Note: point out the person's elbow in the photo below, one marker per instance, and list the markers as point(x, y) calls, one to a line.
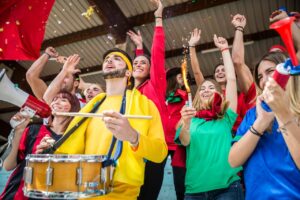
point(184, 141)
point(8, 166)
point(30, 76)
point(237, 60)
point(233, 162)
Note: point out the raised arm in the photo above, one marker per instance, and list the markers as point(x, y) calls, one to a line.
point(194, 40)
point(68, 69)
point(38, 86)
point(280, 14)
point(231, 87)
point(137, 39)
point(10, 161)
point(157, 69)
point(244, 76)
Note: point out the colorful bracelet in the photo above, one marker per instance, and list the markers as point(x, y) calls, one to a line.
point(224, 49)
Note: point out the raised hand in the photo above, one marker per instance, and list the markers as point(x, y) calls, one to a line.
point(195, 37)
point(275, 97)
point(277, 15)
point(71, 63)
point(160, 8)
point(239, 21)
point(136, 38)
point(51, 52)
point(220, 42)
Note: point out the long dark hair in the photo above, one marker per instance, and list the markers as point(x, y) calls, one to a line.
point(172, 85)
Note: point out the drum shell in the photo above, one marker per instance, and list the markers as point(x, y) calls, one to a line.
point(61, 176)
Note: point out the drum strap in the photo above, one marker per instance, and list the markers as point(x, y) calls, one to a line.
point(109, 161)
point(57, 144)
point(118, 152)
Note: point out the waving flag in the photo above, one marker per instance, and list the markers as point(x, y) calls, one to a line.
point(22, 28)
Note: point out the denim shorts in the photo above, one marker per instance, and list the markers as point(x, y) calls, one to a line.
point(233, 192)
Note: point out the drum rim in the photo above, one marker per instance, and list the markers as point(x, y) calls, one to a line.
point(65, 158)
point(65, 194)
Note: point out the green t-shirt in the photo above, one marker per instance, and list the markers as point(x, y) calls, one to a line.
point(207, 154)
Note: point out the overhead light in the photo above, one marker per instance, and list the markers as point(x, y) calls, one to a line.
point(230, 46)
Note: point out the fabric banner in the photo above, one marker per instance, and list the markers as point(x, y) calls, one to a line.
point(22, 28)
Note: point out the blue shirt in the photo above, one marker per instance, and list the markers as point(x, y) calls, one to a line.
point(270, 172)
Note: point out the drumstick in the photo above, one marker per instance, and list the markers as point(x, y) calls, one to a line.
point(74, 114)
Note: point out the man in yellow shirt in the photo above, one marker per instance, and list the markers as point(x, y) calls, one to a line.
point(142, 139)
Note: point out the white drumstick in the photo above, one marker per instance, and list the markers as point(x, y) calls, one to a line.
point(74, 114)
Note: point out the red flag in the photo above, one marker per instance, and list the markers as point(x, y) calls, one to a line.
point(22, 28)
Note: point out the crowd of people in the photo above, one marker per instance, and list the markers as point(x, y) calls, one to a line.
point(223, 146)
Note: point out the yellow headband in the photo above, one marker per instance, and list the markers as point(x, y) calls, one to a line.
point(126, 60)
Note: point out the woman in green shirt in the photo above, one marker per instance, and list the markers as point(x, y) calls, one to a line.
point(205, 130)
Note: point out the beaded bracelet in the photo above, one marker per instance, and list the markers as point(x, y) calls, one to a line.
point(239, 27)
point(242, 30)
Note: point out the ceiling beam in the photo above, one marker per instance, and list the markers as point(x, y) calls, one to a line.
point(75, 37)
point(145, 18)
point(113, 17)
point(9, 109)
point(177, 10)
point(249, 37)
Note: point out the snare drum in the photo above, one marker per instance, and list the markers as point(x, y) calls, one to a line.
point(54, 176)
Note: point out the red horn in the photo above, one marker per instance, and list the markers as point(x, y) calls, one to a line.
point(283, 27)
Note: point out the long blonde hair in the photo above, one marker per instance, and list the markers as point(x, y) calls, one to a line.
point(293, 89)
point(198, 104)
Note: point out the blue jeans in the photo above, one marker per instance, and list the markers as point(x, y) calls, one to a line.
point(233, 192)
